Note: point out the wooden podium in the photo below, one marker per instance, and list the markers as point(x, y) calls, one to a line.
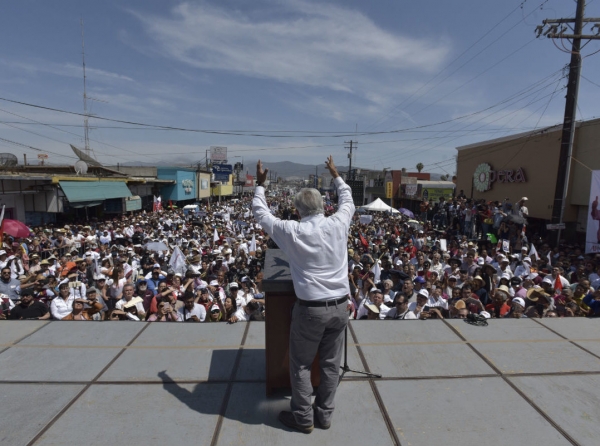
point(279, 302)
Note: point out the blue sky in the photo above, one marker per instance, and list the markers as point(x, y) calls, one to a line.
point(429, 75)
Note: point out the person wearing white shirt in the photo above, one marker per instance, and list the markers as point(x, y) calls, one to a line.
point(375, 298)
point(415, 308)
point(191, 311)
point(129, 231)
point(105, 238)
point(436, 264)
point(62, 305)
point(435, 299)
point(317, 251)
point(128, 291)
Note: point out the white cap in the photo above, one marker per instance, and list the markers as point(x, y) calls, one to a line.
point(423, 292)
point(519, 300)
point(485, 314)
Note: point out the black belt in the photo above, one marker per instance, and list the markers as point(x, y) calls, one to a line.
point(322, 303)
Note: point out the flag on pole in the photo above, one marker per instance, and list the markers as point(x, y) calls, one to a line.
point(533, 252)
point(363, 240)
point(157, 205)
point(177, 261)
point(252, 247)
point(216, 236)
point(376, 270)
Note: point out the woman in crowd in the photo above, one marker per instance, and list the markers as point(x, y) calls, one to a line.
point(62, 305)
point(230, 307)
point(165, 313)
point(216, 313)
point(115, 288)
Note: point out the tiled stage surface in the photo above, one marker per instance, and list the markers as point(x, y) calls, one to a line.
point(515, 382)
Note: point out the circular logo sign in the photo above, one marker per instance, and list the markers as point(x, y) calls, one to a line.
point(481, 177)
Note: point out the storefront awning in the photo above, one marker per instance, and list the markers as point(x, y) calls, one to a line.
point(78, 191)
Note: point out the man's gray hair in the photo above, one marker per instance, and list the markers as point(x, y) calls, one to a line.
point(309, 202)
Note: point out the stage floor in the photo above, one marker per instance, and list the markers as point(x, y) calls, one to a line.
point(515, 382)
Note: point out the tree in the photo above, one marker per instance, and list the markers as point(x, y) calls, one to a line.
point(444, 177)
point(420, 167)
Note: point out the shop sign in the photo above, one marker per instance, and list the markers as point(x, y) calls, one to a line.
point(218, 155)
point(188, 186)
point(434, 194)
point(389, 189)
point(410, 190)
point(484, 176)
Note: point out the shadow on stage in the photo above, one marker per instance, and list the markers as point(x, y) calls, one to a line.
point(237, 395)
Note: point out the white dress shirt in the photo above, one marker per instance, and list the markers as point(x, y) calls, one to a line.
point(316, 246)
point(60, 307)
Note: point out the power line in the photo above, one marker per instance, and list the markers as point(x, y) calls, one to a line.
point(251, 133)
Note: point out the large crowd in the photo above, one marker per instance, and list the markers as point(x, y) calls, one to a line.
point(453, 259)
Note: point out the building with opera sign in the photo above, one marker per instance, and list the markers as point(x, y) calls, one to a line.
point(526, 165)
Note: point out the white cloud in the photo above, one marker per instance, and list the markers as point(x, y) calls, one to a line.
point(65, 69)
point(308, 44)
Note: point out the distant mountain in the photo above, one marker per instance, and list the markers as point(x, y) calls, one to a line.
point(284, 169)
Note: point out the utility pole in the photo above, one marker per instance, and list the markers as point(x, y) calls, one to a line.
point(568, 133)
point(350, 145)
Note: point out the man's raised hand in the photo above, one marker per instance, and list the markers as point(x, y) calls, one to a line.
point(261, 175)
point(331, 167)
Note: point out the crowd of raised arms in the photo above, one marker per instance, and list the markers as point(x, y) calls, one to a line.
point(453, 259)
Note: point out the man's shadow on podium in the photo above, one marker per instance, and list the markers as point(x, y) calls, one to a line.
point(242, 400)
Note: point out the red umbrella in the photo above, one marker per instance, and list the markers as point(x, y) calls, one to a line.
point(15, 228)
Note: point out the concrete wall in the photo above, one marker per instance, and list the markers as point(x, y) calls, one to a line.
point(537, 155)
point(586, 158)
point(222, 190)
point(184, 187)
point(203, 186)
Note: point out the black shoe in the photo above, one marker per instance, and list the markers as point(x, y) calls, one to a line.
point(287, 418)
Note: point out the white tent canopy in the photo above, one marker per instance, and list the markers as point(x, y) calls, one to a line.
point(378, 206)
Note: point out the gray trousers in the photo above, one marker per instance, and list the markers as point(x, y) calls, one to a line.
point(316, 329)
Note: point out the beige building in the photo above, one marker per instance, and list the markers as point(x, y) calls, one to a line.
point(526, 165)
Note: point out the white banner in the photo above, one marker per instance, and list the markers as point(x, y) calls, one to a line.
point(410, 190)
point(218, 154)
point(592, 238)
point(443, 245)
point(366, 219)
point(177, 261)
